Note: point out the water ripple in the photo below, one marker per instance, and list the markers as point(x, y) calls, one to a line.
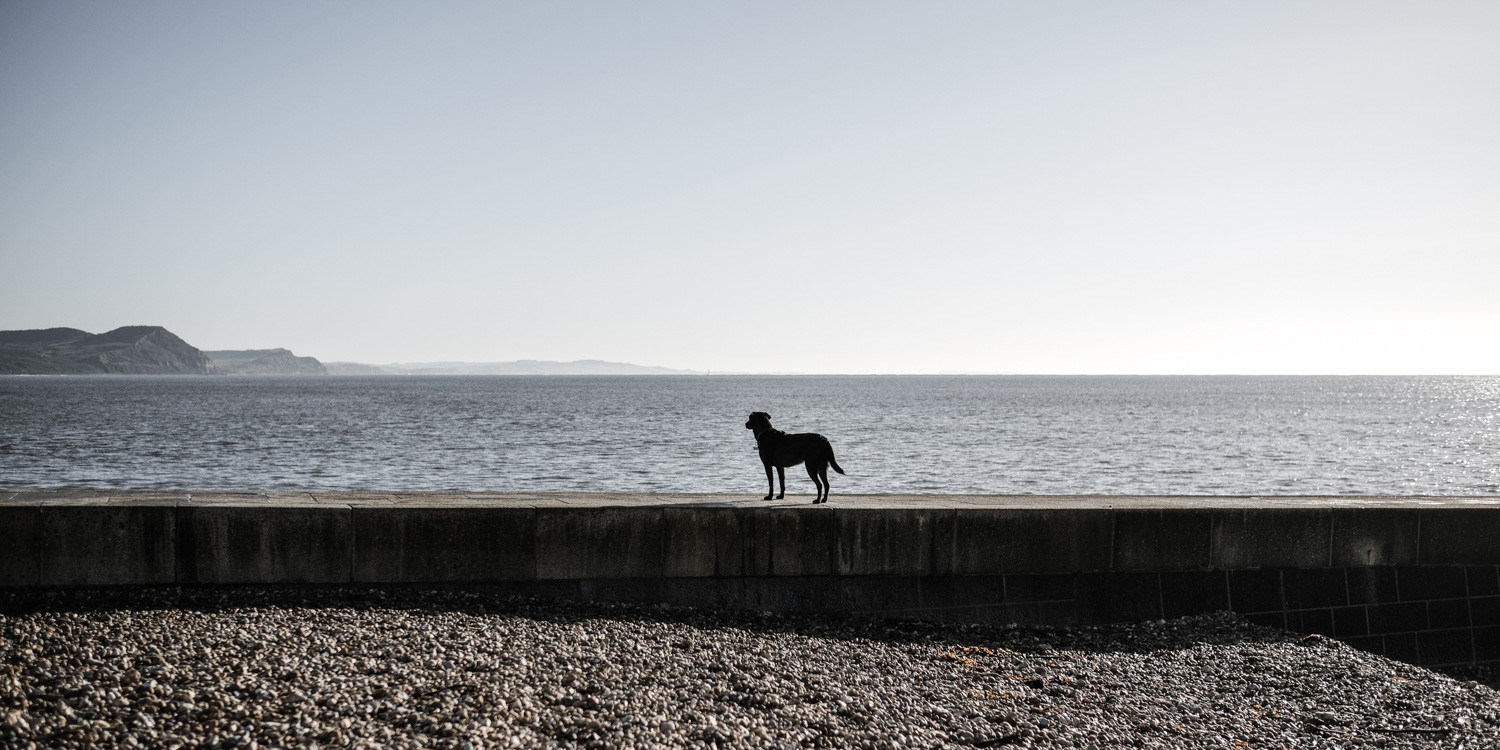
point(1023, 435)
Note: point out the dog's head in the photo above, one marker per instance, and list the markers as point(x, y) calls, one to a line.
point(758, 420)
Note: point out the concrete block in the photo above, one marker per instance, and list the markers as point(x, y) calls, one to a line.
point(1487, 645)
point(625, 590)
point(701, 592)
point(100, 545)
point(1350, 622)
point(1445, 647)
point(1271, 538)
point(1194, 592)
point(1485, 610)
point(1373, 644)
point(1168, 539)
point(880, 594)
point(944, 541)
point(742, 541)
point(1318, 621)
point(1372, 585)
point(804, 542)
point(258, 544)
point(1374, 536)
point(1448, 613)
point(1040, 587)
point(776, 541)
point(1459, 536)
point(1114, 596)
point(886, 542)
point(1053, 614)
point(443, 545)
point(1401, 647)
point(949, 592)
point(599, 543)
point(1416, 582)
point(20, 544)
point(1032, 541)
point(1483, 580)
point(1400, 617)
point(1306, 588)
point(551, 589)
point(1255, 591)
point(690, 543)
point(793, 593)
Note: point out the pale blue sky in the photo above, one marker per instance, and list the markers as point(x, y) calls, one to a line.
point(1178, 187)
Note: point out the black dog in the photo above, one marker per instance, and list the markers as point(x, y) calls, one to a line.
point(781, 450)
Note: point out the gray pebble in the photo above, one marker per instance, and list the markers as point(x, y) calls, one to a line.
point(269, 668)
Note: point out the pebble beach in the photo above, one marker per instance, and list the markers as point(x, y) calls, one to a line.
point(258, 668)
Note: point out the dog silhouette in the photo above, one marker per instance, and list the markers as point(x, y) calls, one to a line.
point(781, 450)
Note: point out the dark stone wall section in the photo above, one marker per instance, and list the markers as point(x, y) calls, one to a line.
point(20, 545)
point(1417, 584)
point(1432, 615)
point(1426, 615)
point(1432, 633)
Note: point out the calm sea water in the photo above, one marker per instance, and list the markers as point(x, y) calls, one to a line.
point(893, 434)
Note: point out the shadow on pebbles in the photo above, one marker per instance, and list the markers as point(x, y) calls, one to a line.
point(251, 668)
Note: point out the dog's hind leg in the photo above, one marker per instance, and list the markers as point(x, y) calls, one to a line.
point(812, 471)
point(823, 473)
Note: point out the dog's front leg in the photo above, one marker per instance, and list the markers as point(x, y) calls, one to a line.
point(781, 474)
point(770, 483)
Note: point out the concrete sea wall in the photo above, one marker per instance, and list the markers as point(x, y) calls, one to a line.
point(1414, 578)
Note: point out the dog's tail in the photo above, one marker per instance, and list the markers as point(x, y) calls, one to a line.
point(831, 461)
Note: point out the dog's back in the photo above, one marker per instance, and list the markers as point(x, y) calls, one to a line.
point(809, 447)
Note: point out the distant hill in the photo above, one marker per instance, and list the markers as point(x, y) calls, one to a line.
point(153, 350)
point(521, 367)
point(264, 362)
point(131, 350)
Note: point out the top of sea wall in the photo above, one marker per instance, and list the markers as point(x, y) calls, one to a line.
point(625, 499)
point(93, 538)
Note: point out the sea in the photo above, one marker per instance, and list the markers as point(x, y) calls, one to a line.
point(1159, 435)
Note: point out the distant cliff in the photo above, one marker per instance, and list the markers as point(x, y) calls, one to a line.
point(131, 350)
point(264, 362)
point(153, 350)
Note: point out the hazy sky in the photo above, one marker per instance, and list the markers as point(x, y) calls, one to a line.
point(1045, 187)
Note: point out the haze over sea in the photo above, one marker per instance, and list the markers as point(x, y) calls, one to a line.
point(893, 434)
